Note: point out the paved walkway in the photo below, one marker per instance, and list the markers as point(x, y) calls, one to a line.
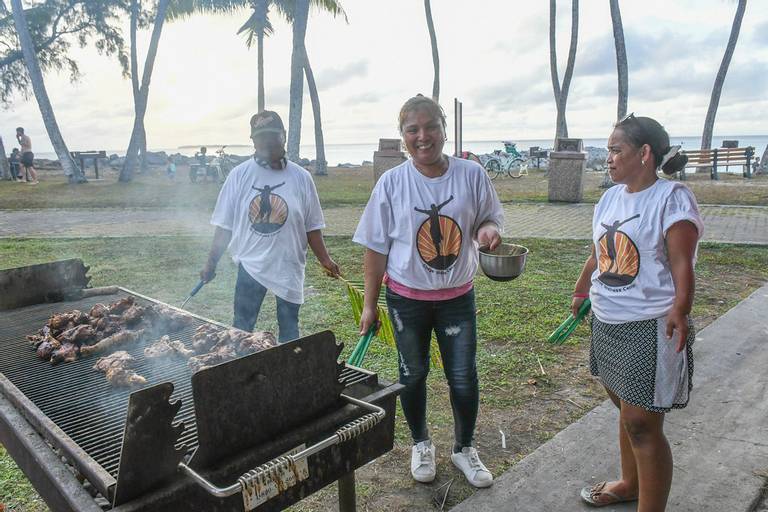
point(731, 224)
point(719, 442)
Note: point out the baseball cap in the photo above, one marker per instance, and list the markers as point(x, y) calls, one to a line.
point(266, 121)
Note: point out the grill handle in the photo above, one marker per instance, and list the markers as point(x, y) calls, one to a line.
point(345, 433)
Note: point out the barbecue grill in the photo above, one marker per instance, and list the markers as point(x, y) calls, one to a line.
point(260, 432)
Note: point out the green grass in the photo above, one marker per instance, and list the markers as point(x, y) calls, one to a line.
point(514, 319)
point(341, 187)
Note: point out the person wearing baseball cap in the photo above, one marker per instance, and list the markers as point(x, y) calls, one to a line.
point(267, 213)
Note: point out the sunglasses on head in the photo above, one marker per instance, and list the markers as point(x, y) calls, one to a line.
point(627, 118)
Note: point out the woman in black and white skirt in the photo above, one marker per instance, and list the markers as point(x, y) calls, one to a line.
point(640, 281)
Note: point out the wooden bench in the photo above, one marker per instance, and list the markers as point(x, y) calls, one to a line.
point(82, 155)
point(718, 157)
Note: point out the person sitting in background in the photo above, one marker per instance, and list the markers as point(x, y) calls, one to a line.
point(15, 163)
point(201, 158)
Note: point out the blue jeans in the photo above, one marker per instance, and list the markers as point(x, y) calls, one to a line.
point(455, 325)
point(249, 294)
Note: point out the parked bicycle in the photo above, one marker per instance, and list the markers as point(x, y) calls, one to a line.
point(510, 161)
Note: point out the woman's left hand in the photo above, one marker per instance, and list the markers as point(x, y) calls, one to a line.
point(488, 236)
point(677, 320)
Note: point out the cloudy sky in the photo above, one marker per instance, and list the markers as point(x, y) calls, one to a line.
point(494, 56)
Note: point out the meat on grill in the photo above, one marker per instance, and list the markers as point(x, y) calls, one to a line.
point(118, 368)
point(46, 347)
point(120, 338)
point(67, 353)
point(77, 335)
point(121, 305)
point(104, 327)
point(220, 354)
point(98, 311)
point(216, 345)
point(205, 337)
point(166, 347)
point(256, 342)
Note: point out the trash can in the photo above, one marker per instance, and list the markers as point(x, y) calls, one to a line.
point(567, 165)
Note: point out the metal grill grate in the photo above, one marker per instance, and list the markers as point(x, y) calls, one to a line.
point(78, 399)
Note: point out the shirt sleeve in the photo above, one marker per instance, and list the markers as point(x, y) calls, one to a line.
point(681, 205)
point(224, 212)
point(313, 214)
point(373, 229)
point(488, 204)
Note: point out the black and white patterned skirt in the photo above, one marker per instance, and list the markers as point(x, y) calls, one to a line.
point(637, 362)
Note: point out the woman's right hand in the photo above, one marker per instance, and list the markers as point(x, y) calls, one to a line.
point(369, 317)
point(208, 272)
point(576, 303)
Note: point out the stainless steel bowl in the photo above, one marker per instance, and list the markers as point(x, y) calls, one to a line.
point(504, 263)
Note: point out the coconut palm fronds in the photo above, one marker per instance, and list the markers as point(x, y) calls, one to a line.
point(386, 331)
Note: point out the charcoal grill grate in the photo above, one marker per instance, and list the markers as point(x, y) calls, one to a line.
point(78, 399)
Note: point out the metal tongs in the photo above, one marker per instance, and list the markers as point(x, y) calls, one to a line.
point(565, 329)
point(194, 291)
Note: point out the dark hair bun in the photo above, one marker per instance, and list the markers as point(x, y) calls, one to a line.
point(675, 164)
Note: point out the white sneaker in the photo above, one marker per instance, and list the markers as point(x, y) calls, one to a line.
point(469, 463)
point(423, 462)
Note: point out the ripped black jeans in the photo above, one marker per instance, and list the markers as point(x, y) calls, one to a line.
point(455, 324)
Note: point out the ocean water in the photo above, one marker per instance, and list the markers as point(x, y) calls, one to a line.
point(337, 154)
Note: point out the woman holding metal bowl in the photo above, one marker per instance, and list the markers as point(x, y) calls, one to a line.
point(640, 281)
point(421, 229)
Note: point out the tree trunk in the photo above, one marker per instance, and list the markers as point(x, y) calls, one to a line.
point(562, 126)
point(131, 157)
point(260, 50)
point(4, 165)
point(717, 89)
point(621, 60)
point(262, 11)
point(135, 8)
point(435, 54)
point(41, 94)
point(298, 58)
point(553, 57)
point(321, 165)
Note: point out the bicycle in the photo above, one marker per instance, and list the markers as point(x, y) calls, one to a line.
point(510, 162)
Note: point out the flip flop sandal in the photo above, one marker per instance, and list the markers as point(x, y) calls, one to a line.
point(596, 496)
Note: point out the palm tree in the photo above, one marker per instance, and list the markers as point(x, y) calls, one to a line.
point(41, 94)
point(140, 102)
point(435, 54)
point(561, 92)
point(298, 57)
point(717, 89)
point(257, 27)
point(621, 59)
point(321, 165)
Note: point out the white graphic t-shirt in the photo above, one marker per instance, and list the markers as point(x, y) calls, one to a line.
point(633, 280)
point(269, 213)
point(427, 226)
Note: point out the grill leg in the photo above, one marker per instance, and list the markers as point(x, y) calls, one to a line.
point(347, 493)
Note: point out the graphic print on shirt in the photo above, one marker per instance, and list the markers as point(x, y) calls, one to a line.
point(267, 212)
point(619, 261)
point(438, 239)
